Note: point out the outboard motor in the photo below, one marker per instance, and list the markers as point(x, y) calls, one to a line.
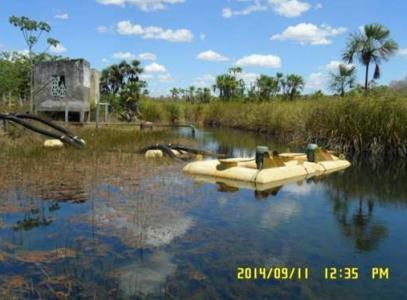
point(311, 148)
point(260, 153)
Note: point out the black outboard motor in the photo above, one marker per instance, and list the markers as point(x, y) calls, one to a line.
point(260, 153)
point(311, 148)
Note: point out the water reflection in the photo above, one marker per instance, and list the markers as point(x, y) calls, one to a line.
point(146, 276)
point(357, 222)
point(120, 227)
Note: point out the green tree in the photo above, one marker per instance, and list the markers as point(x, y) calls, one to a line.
point(191, 94)
point(292, 85)
point(122, 87)
point(267, 86)
point(14, 73)
point(235, 70)
point(175, 93)
point(32, 31)
point(203, 95)
point(372, 45)
point(14, 68)
point(345, 78)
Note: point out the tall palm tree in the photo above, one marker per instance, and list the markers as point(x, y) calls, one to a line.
point(372, 45)
point(345, 78)
point(174, 93)
point(122, 86)
point(235, 70)
point(267, 86)
point(293, 85)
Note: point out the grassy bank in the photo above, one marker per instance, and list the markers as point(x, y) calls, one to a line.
point(372, 126)
point(22, 143)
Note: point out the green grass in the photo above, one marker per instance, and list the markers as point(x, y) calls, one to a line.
point(19, 142)
point(375, 125)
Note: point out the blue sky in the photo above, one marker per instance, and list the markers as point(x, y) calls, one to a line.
point(184, 42)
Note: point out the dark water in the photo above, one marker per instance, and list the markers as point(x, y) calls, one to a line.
point(143, 230)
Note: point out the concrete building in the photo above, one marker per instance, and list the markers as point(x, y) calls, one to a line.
point(69, 87)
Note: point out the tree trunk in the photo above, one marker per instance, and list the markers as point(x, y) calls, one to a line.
point(9, 100)
point(31, 81)
point(367, 77)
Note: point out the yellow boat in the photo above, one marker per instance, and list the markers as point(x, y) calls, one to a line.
point(269, 168)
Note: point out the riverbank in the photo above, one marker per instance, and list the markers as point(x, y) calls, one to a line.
point(373, 127)
point(21, 143)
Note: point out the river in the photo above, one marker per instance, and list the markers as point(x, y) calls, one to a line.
point(126, 228)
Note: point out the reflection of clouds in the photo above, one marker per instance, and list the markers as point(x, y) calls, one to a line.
point(279, 212)
point(299, 189)
point(150, 226)
point(147, 276)
point(163, 233)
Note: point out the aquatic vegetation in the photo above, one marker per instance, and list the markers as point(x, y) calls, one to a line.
point(374, 125)
point(125, 227)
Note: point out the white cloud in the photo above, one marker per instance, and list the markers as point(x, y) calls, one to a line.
point(255, 6)
point(153, 32)
point(202, 36)
point(127, 28)
point(286, 8)
point(289, 8)
point(145, 76)
point(258, 60)
point(105, 60)
point(24, 52)
point(316, 81)
point(318, 6)
point(227, 12)
point(402, 52)
point(248, 78)
point(211, 55)
point(204, 80)
point(309, 34)
point(147, 56)
point(124, 55)
point(333, 65)
point(112, 2)
point(62, 16)
point(165, 77)
point(145, 5)
point(58, 49)
point(155, 68)
point(102, 29)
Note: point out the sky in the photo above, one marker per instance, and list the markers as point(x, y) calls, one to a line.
point(189, 42)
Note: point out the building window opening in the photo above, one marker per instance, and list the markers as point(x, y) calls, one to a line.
point(58, 88)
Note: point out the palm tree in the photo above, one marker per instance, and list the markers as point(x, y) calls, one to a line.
point(235, 70)
point(346, 77)
point(174, 93)
point(227, 86)
point(191, 94)
point(372, 45)
point(293, 85)
point(267, 86)
point(122, 86)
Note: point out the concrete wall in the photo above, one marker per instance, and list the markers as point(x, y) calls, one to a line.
point(94, 87)
point(80, 86)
